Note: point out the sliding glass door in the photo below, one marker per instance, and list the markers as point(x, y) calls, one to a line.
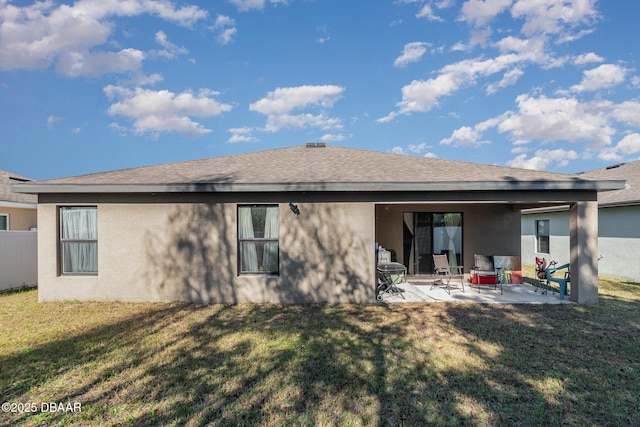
point(428, 233)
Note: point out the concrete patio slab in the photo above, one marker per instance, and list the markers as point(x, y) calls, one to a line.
point(512, 294)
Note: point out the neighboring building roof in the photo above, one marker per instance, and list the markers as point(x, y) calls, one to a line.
point(11, 199)
point(315, 167)
point(627, 171)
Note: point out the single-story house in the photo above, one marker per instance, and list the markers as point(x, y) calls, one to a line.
point(545, 231)
point(17, 211)
point(18, 239)
point(290, 225)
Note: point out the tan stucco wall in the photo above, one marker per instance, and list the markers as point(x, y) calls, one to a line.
point(187, 252)
point(20, 218)
point(487, 229)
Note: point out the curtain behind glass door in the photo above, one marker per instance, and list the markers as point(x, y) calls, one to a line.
point(428, 233)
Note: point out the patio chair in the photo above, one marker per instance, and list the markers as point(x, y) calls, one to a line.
point(484, 272)
point(562, 282)
point(541, 275)
point(443, 270)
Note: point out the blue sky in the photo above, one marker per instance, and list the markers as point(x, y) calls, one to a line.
point(97, 85)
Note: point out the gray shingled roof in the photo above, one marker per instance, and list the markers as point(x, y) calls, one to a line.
point(301, 168)
point(7, 179)
point(627, 171)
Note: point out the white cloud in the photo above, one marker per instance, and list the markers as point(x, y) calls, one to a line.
point(226, 36)
point(427, 12)
point(413, 149)
point(52, 120)
point(76, 63)
point(587, 58)
point(280, 104)
point(226, 28)
point(603, 77)
point(535, 163)
point(164, 111)
point(528, 50)
point(627, 112)
point(459, 47)
point(42, 34)
point(628, 146)
point(141, 79)
point(332, 137)
point(554, 16)
point(423, 95)
point(324, 36)
point(558, 119)
point(241, 135)
point(443, 4)
point(464, 137)
point(418, 148)
point(508, 79)
point(542, 18)
point(412, 52)
point(480, 12)
point(557, 158)
point(246, 5)
point(170, 50)
point(551, 120)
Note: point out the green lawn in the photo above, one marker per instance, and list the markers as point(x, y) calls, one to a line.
point(403, 364)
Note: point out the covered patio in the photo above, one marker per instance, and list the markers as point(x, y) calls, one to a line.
point(462, 224)
point(422, 290)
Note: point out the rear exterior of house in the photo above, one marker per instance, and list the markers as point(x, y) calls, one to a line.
point(293, 225)
point(545, 232)
point(17, 211)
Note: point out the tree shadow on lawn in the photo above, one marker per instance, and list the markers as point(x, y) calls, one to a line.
point(405, 364)
point(224, 365)
point(554, 364)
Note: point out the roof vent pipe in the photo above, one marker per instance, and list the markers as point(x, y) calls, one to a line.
point(315, 145)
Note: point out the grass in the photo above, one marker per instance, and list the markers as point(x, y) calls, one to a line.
point(374, 365)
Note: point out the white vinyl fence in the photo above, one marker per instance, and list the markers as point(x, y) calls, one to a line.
point(18, 259)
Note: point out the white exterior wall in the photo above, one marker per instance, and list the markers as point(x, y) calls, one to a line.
point(188, 252)
point(18, 262)
point(559, 244)
point(618, 240)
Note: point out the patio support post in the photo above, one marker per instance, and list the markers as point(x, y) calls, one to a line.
point(583, 230)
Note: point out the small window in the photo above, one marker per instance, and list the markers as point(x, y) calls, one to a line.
point(258, 250)
point(4, 222)
point(542, 236)
point(79, 240)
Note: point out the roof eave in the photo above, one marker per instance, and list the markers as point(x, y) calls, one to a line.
point(619, 204)
point(18, 205)
point(583, 185)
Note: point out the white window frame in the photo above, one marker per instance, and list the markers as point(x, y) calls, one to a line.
point(65, 241)
point(6, 221)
